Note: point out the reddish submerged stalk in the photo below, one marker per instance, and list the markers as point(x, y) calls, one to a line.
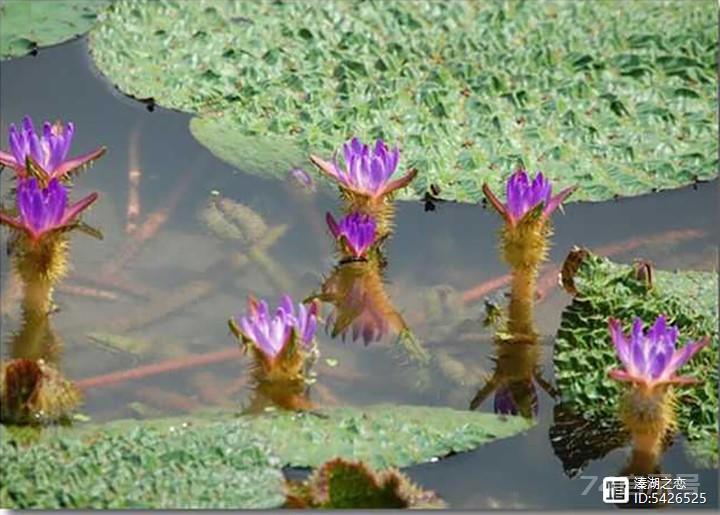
point(153, 223)
point(162, 367)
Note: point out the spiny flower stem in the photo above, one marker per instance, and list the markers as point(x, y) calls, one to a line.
point(524, 248)
point(36, 339)
point(40, 265)
point(522, 302)
point(648, 413)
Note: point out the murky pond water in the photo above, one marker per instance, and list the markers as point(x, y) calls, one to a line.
point(169, 297)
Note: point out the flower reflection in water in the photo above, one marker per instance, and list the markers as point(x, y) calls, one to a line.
point(356, 290)
point(516, 379)
point(362, 307)
point(518, 369)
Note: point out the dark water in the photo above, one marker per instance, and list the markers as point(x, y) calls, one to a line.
point(446, 250)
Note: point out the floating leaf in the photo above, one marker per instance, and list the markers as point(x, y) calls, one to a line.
point(604, 98)
point(219, 466)
point(219, 460)
point(381, 436)
point(584, 352)
point(26, 25)
point(263, 155)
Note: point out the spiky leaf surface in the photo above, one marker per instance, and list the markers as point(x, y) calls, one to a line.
point(218, 466)
point(221, 460)
point(618, 99)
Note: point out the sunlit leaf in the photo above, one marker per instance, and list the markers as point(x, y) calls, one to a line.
point(608, 99)
point(26, 25)
point(218, 466)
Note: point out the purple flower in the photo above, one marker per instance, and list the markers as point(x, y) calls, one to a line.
point(302, 178)
point(48, 150)
point(367, 171)
point(271, 333)
point(650, 358)
point(523, 196)
point(44, 210)
point(356, 231)
point(517, 398)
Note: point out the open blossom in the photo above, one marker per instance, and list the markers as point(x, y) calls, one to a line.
point(367, 170)
point(523, 196)
point(49, 149)
point(356, 231)
point(270, 333)
point(651, 358)
point(42, 211)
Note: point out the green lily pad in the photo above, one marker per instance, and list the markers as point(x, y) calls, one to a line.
point(584, 352)
point(28, 24)
point(703, 453)
point(219, 466)
point(380, 436)
point(220, 460)
point(617, 101)
point(266, 156)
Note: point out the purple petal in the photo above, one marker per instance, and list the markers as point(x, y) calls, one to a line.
point(78, 207)
point(558, 199)
point(17, 145)
point(367, 170)
point(376, 177)
point(393, 161)
point(67, 138)
point(310, 327)
point(503, 402)
point(77, 162)
point(8, 160)
point(248, 328)
point(638, 349)
point(622, 346)
point(332, 225)
point(28, 125)
point(682, 356)
point(286, 305)
point(302, 178)
point(57, 202)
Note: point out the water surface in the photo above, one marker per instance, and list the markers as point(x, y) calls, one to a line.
point(435, 254)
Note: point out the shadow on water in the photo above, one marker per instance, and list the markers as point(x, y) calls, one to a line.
point(176, 291)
